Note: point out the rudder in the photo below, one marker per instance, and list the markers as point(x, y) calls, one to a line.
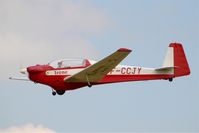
point(179, 59)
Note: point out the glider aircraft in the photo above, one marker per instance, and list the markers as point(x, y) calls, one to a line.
point(69, 74)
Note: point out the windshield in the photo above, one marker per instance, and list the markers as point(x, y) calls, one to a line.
point(64, 63)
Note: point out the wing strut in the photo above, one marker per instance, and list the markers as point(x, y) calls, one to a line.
point(89, 84)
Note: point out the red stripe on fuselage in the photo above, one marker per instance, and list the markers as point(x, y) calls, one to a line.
point(139, 77)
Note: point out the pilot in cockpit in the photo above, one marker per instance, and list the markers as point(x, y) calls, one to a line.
point(60, 64)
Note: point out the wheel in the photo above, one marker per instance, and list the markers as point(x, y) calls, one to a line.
point(60, 92)
point(89, 86)
point(54, 93)
point(170, 79)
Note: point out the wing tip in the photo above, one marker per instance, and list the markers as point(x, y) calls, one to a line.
point(124, 50)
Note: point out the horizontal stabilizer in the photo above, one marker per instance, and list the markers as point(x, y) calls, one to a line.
point(165, 68)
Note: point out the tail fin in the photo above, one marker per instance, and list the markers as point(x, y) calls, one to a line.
point(176, 58)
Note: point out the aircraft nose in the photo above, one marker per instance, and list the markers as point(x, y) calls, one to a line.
point(23, 71)
point(35, 69)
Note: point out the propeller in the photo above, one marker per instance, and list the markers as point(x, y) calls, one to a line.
point(23, 71)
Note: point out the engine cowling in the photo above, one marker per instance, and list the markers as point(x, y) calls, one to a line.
point(35, 69)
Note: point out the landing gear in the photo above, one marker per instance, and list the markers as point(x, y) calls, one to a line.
point(54, 93)
point(60, 92)
point(170, 79)
point(89, 85)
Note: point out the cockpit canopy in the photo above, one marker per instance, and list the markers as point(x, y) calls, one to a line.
point(67, 63)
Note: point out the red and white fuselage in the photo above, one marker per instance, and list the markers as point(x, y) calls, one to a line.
point(69, 74)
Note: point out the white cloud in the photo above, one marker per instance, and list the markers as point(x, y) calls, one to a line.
point(38, 31)
point(50, 17)
point(29, 128)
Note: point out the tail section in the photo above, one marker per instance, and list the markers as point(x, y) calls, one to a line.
point(175, 57)
point(169, 60)
point(180, 61)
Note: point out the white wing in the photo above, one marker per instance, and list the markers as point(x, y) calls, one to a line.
point(97, 71)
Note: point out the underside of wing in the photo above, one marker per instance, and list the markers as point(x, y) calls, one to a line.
point(99, 70)
point(20, 78)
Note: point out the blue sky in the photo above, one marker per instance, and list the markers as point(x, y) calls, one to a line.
point(34, 32)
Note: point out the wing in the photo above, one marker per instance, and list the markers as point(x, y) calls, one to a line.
point(99, 70)
point(20, 78)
